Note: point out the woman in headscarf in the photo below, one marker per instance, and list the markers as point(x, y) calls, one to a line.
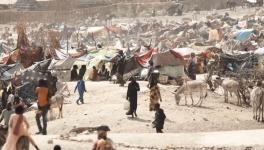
point(155, 95)
point(133, 88)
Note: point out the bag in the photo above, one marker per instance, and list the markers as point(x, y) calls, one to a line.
point(126, 105)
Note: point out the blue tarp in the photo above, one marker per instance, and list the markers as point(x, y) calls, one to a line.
point(243, 35)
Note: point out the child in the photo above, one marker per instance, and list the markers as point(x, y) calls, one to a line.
point(160, 117)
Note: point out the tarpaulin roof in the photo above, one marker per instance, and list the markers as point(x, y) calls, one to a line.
point(105, 54)
point(64, 64)
point(168, 58)
point(62, 54)
point(243, 35)
point(144, 58)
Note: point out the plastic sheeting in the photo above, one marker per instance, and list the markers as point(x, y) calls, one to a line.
point(244, 35)
point(259, 51)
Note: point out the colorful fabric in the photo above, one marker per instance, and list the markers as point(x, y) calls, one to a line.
point(42, 93)
point(154, 97)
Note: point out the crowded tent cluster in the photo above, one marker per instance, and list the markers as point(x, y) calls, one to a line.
point(40, 62)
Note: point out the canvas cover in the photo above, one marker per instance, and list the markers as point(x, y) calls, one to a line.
point(168, 58)
point(172, 71)
point(62, 68)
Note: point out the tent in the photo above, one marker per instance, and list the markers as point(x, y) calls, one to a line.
point(62, 68)
point(170, 63)
point(186, 52)
point(145, 57)
point(132, 67)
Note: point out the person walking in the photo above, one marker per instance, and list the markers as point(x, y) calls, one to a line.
point(43, 106)
point(81, 89)
point(155, 95)
point(160, 117)
point(18, 127)
point(133, 88)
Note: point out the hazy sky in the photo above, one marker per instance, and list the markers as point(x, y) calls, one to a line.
point(13, 1)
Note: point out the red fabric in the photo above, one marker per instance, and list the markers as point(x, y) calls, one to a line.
point(177, 55)
point(145, 57)
point(27, 58)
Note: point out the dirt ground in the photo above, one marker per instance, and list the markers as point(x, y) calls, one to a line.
point(104, 104)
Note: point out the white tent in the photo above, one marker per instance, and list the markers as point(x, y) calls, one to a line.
point(62, 68)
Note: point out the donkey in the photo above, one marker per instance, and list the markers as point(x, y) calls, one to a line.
point(57, 100)
point(256, 98)
point(229, 86)
point(188, 88)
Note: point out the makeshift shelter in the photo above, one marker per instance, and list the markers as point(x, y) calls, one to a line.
point(135, 64)
point(132, 68)
point(244, 35)
point(99, 57)
point(239, 64)
point(62, 68)
point(24, 51)
point(27, 80)
point(7, 71)
point(170, 63)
